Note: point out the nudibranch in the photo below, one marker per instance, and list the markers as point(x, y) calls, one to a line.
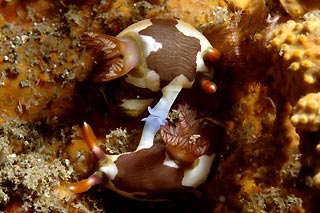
point(153, 56)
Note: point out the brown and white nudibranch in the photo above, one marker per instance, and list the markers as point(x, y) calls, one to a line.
point(151, 56)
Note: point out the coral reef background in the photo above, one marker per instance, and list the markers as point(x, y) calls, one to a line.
point(268, 100)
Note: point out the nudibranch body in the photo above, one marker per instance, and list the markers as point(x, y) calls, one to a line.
point(147, 58)
point(151, 56)
point(145, 174)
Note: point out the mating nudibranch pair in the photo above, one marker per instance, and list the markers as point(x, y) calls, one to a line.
point(152, 55)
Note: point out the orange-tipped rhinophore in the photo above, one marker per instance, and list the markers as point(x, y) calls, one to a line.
point(91, 141)
point(86, 184)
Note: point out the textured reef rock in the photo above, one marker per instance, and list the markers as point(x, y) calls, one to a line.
point(39, 61)
point(306, 113)
point(297, 72)
point(295, 44)
point(297, 8)
point(296, 69)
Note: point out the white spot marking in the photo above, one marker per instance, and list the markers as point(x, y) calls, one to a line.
point(110, 170)
point(135, 107)
point(169, 162)
point(151, 45)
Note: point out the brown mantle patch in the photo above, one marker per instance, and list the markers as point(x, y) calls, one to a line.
point(143, 171)
point(178, 53)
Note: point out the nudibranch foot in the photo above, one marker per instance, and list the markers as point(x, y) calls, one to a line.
point(169, 95)
point(158, 116)
point(151, 127)
point(86, 184)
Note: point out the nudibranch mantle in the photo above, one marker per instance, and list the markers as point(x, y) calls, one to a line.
point(151, 56)
point(168, 44)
